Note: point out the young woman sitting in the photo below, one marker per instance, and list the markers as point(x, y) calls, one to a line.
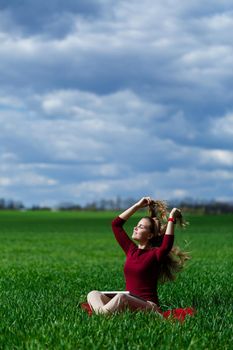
point(151, 259)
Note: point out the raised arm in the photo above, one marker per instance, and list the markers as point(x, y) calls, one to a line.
point(174, 214)
point(117, 224)
point(121, 236)
point(168, 238)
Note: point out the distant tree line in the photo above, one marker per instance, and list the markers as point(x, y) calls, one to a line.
point(9, 204)
point(212, 207)
point(188, 205)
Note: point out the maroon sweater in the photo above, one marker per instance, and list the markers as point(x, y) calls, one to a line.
point(142, 265)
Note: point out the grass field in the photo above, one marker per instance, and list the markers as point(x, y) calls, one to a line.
point(51, 260)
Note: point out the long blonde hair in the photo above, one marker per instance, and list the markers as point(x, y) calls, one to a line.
point(175, 260)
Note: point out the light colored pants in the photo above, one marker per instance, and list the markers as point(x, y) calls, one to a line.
point(101, 304)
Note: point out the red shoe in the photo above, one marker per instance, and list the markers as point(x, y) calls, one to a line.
point(179, 313)
point(86, 307)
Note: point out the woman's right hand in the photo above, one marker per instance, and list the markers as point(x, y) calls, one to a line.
point(144, 202)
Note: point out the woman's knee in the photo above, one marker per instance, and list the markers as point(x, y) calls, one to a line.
point(92, 295)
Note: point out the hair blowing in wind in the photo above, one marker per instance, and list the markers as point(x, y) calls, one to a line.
point(175, 260)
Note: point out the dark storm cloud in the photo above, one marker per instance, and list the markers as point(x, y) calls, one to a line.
point(53, 18)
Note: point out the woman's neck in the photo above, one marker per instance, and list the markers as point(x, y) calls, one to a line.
point(144, 246)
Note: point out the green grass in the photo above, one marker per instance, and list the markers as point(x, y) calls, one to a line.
point(50, 261)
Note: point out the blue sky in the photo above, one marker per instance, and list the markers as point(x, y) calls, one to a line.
point(116, 98)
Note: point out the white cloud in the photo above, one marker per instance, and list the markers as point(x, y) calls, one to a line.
point(81, 125)
point(27, 179)
point(179, 193)
point(4, 181)
point(218, 157)
point(88, 106)
point(8, 157)
point(223, 127)
point(173, 184)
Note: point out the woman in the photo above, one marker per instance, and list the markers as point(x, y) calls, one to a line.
point(146, 262)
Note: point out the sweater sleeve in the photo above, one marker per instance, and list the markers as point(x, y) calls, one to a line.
point(121, 236)
point(165, 247)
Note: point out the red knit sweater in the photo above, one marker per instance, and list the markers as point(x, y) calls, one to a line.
point(142, 265)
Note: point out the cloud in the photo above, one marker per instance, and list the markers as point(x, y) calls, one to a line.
point(26, 180)
point(51, 19)
point(81, 142)
point(82, 121)
point(173, 184)
point(155, 48)
point(108, 98)
point(218, 157)
point(223, 126)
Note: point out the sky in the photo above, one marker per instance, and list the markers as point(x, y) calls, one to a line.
point(103, 98)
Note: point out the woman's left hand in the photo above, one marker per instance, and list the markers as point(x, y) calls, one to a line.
point(175, 213)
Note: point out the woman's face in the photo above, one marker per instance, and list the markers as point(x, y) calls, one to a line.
point(142, 232)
